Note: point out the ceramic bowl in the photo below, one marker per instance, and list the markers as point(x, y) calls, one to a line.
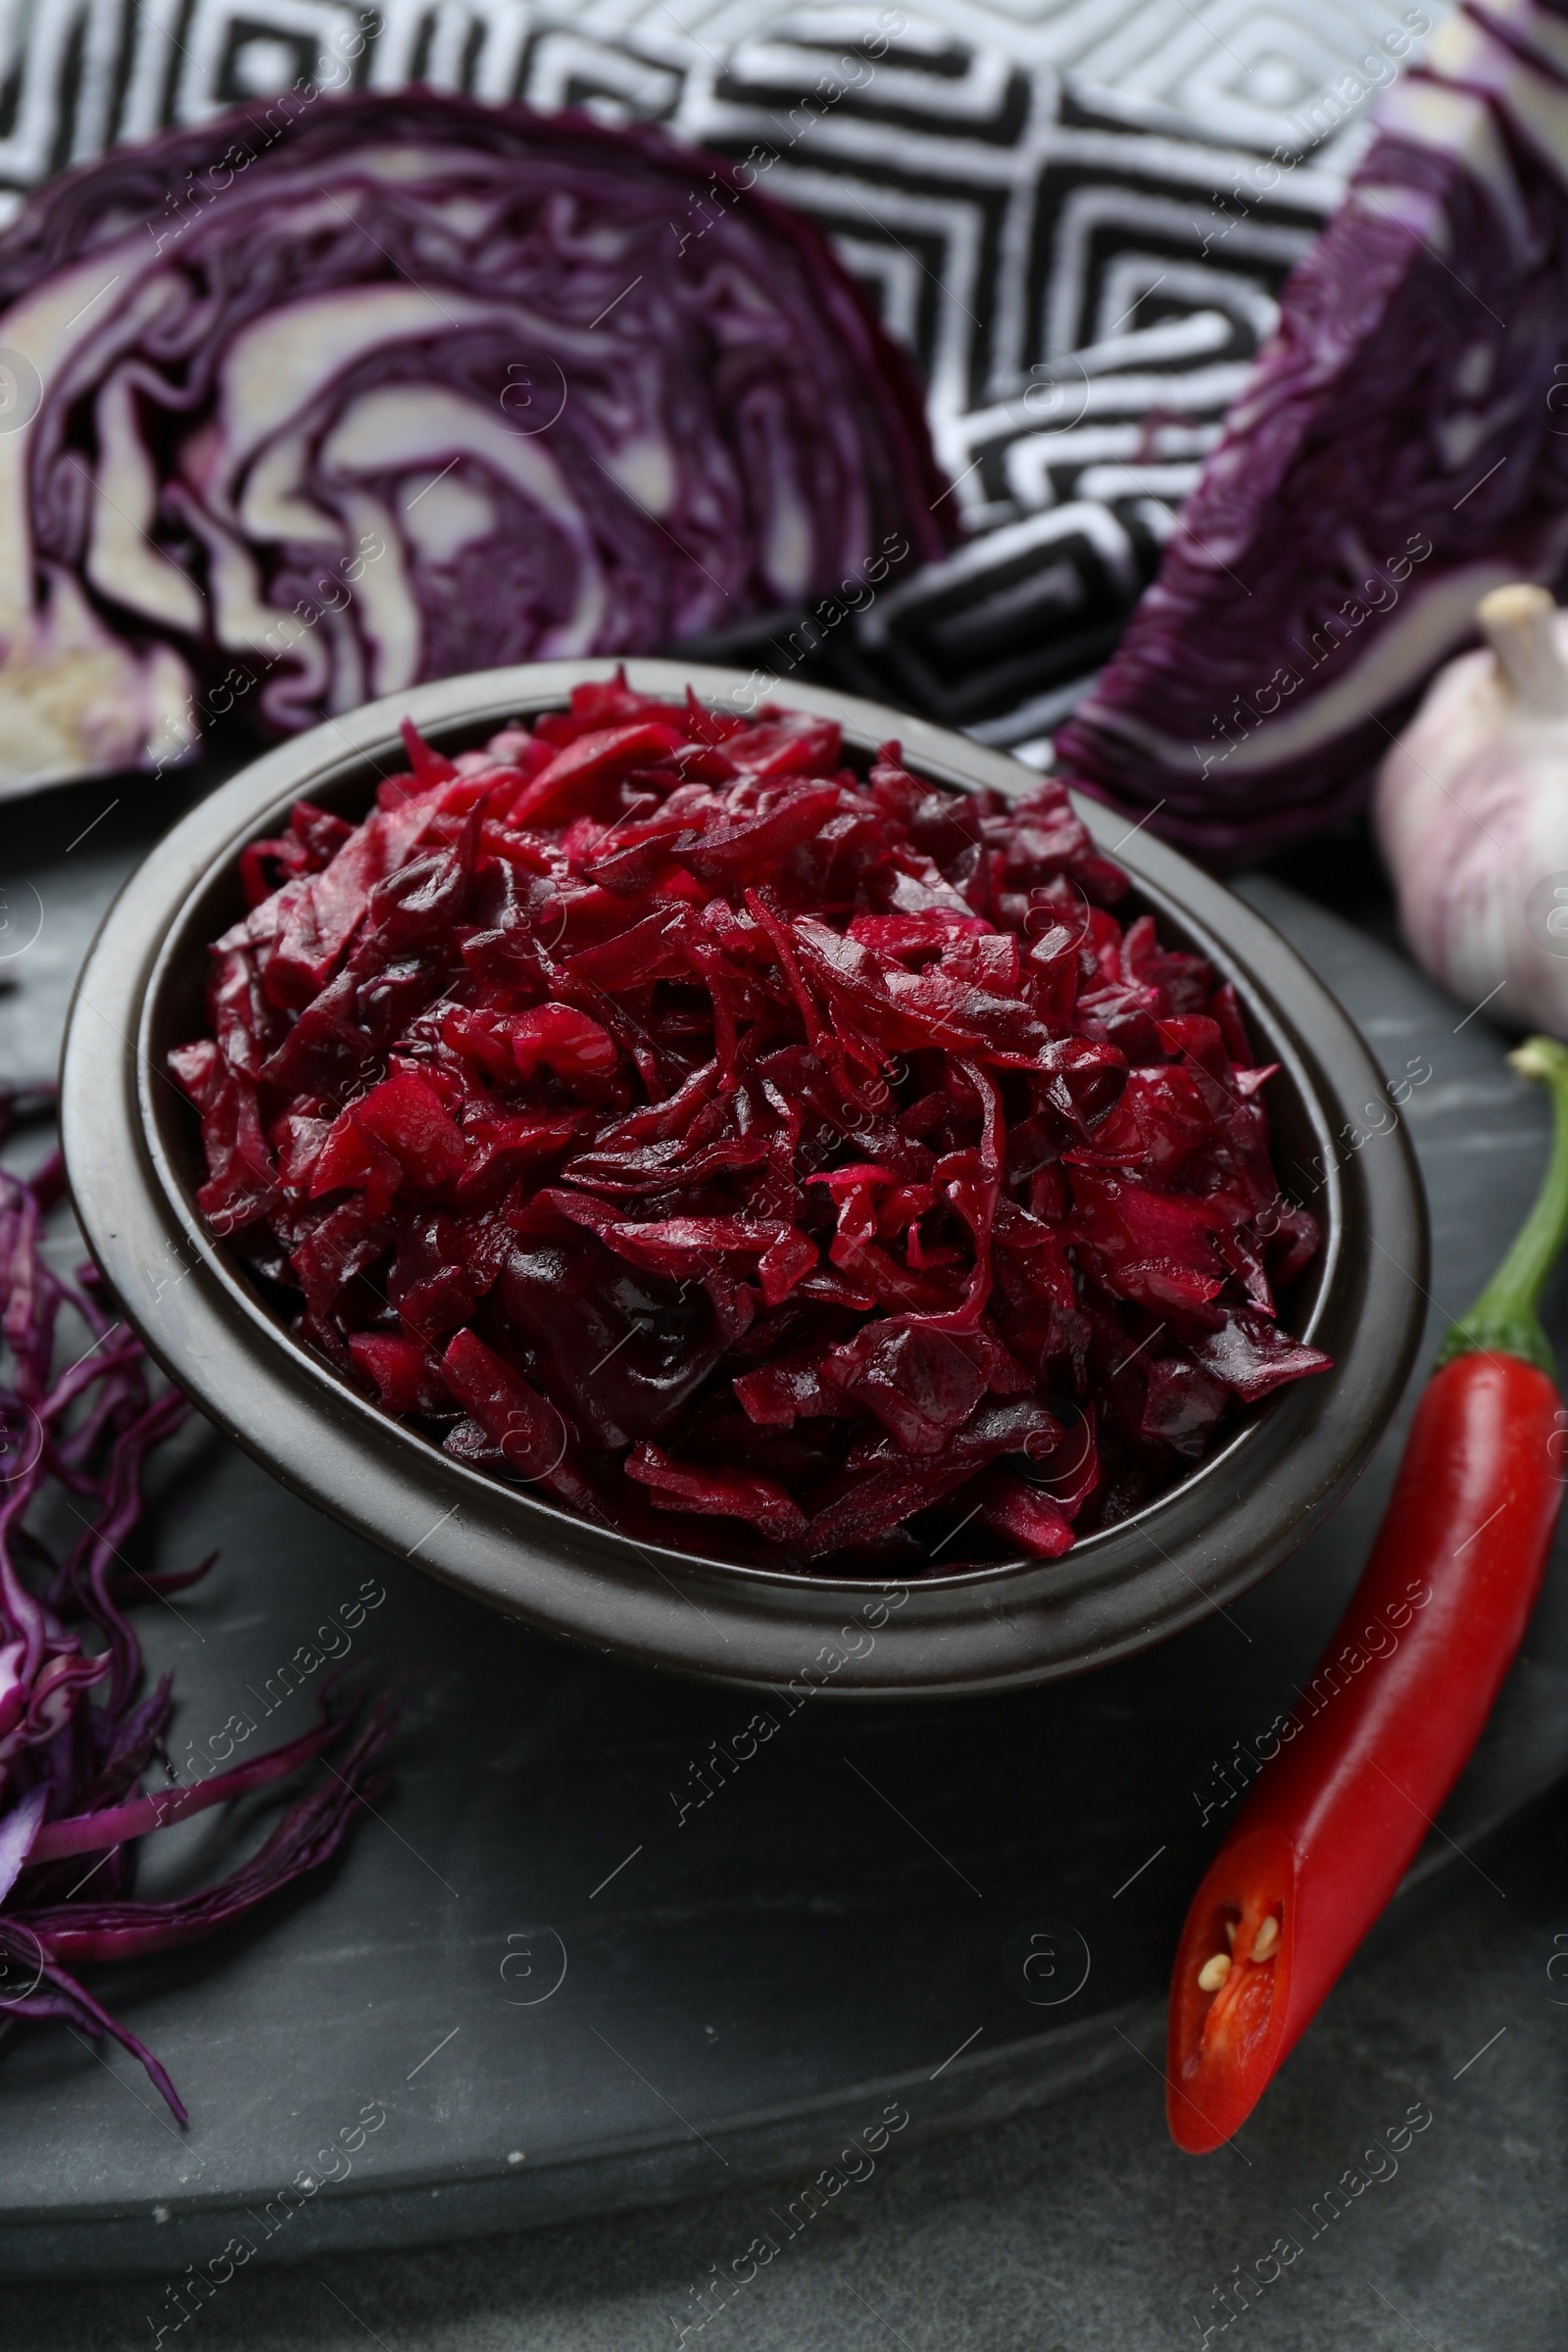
point(133, 1155)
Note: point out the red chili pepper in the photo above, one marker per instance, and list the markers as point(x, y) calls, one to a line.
point(1400, 1695)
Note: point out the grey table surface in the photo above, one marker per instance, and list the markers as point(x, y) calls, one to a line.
point(1075, 2224)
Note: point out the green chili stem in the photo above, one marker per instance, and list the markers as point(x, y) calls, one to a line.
point(1503, 1319)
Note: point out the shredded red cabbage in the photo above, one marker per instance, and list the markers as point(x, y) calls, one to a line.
point(76, 1732)
point(753, 1155)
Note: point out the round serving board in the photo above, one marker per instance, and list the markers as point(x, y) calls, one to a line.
point(612, 1936)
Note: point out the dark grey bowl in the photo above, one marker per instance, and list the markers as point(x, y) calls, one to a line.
point(132, 1152)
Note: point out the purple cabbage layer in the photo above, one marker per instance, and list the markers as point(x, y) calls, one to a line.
point(310, 404)
point(1401, 447)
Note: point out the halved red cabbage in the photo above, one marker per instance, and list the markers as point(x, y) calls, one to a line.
point(1402, 448)
point(314, 402)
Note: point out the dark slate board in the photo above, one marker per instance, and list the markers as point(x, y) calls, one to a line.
point(556, 1992)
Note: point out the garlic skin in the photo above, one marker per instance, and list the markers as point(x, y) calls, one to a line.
point(1471, 810)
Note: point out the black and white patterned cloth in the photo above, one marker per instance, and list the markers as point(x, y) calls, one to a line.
point(1076, 213)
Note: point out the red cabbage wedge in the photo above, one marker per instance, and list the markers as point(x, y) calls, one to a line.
point(1402, 448)
point(310, 404)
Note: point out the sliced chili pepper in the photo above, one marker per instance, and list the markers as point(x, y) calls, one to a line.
point(1400, 1696)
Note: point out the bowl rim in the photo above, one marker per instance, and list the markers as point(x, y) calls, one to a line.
point(1192, 1549)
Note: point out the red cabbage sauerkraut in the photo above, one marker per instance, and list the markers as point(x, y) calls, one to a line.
point(757, 1156)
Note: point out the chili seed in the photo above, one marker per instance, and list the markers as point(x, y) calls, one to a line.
point(1268, 1936)
point(1213, 1973)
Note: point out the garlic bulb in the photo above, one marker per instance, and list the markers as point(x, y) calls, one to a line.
point(1472, 813)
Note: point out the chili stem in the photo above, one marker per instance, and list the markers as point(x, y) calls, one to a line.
point(1504, 1321)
